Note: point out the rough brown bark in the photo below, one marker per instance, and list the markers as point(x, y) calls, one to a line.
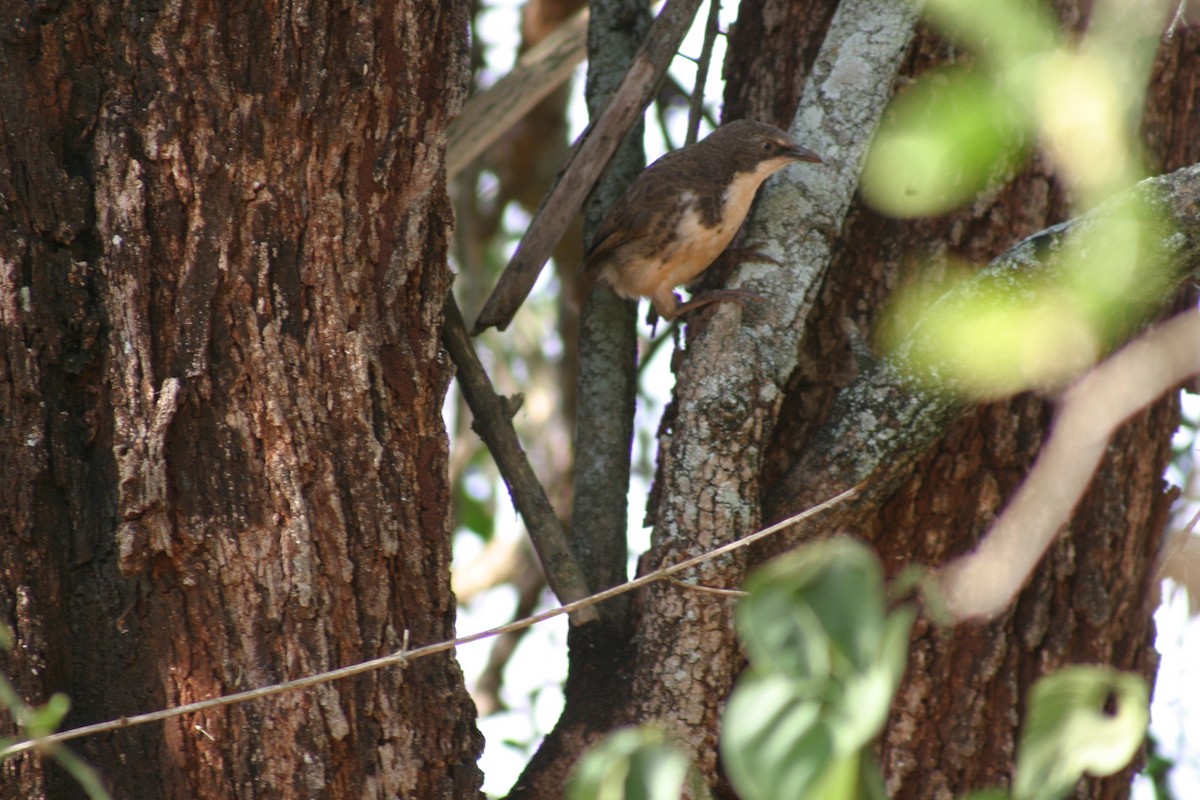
point(223, 240)
point(957, 714)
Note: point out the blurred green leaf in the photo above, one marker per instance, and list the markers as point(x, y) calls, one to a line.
point(840, 781)
point(959, 130)
point(1158, 769)
point(784, 635)
point(773, 742)
point(907, 581)
point(1114, 267)
point(859, 711)
point(477, 516)
point(943, 141)
point(826, 660)
point(46, 718)
point(998, 30)
point(1004, 330)
point(870, 779)
point(1081, 720)
point(776, 744)
point(631, 764)
point(812, 606)
point(10, 699)
point(997, 337)
point(1087, 126)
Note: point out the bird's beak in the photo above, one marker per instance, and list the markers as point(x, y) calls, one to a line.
point(804, 154)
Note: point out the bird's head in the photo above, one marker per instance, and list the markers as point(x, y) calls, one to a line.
point(759, 147)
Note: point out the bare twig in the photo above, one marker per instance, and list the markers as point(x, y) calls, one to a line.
point(696, 106)
point(587, 161)
point(981, 584)
point(697, 587)
point(405, 655)
point(493, 423)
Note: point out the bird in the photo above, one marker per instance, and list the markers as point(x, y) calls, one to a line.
point(682, 211)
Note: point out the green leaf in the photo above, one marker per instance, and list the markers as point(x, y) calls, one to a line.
point(784, 634)
point(45, 719)
point(854, 777)
point(826, 660)
point(815, 611)
point(631, 764)
point(840, 781)
point(477, 515)
point(999, 30)
point(773, 743)
point(906, 582)
point(861, 709)
point(893, 647)
point(870, 779)
point(1081, 720)
point(942, 142)
point(11, 699)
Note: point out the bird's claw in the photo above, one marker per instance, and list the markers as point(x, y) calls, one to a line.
point(739, 296)
point(751, 252)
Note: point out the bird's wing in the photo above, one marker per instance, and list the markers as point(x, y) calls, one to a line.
point(636, 213)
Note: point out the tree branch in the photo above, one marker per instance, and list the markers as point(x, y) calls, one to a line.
point(607, 378)
point(588, 159)
point(981, 584)
point(882, 422)
point(735, 368)
point(493, 423)
point(696, 101)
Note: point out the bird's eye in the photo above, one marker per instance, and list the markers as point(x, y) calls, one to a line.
point(768, 147)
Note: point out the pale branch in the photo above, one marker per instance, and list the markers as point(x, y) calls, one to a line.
point(883, 421)
point(585, 164)
point(405, 655)
point(982, 583)
point(493, 423)
point(736, 366)
point(733, 375)
point(487, 116)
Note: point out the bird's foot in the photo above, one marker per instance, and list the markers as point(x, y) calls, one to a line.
point(739, 296)
point(749, 252)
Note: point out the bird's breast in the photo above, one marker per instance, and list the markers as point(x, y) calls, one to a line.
point(687, 250)
point(740, 193)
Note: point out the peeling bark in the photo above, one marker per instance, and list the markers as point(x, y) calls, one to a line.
point(222, 296)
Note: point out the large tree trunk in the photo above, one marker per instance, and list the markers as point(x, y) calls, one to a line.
point(223, 238)
point(958, 712)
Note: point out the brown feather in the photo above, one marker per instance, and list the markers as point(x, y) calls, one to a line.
point(681, 211)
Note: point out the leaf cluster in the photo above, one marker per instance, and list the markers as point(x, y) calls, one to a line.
point(826, 657)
